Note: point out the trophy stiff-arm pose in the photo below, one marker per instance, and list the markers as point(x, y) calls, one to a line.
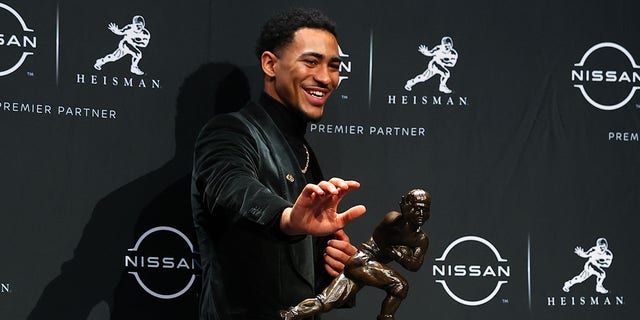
point(398, 237)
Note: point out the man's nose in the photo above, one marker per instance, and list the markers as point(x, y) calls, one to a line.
point(324, 74)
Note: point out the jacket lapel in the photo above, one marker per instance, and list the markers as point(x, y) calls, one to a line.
point(291, 182)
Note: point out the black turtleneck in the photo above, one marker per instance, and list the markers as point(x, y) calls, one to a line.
point(293, 127)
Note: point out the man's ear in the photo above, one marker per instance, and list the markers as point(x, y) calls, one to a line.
point(268, 60)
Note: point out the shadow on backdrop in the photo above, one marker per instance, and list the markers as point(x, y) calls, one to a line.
point(101, 268)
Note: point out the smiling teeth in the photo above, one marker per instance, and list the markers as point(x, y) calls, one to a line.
point(317, 93)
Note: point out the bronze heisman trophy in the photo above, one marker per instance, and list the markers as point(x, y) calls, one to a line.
point(398, 237)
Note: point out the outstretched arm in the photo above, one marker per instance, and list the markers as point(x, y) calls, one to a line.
point(315, 212)
point(114, 28)
point(580, 252)
point(424, 50)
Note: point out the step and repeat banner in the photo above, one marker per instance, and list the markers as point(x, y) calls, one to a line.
point(521, 118)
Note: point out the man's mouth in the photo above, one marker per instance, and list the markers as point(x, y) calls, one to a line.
point(316, 93)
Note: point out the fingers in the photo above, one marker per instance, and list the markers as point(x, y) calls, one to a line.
point(336, 185)
point(338, 254)
point(340, 248)
point(310, 189)
point(328, 186)
point(316, 209)
point(331, 271)
point(334, 261)
point(352, 184)
point(345, 184)
point(329, 193)
point(351, 214)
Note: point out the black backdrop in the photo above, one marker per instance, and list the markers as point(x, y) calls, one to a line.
point(522, 160)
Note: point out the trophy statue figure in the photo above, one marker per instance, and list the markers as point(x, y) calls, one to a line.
point(398, 237)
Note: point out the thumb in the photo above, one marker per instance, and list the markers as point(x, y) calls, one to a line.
point(352, 214)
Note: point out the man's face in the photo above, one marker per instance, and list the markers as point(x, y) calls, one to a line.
point(306, 72)
point(418, 211)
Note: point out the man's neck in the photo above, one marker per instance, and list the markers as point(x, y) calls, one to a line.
point(290, 123)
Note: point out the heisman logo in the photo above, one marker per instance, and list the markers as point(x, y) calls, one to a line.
point(17, 41)
point(443, 56)
point(134, 37)
point(599, 257)
point(582, 75)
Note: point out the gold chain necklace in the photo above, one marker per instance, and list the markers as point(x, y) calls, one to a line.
point(306, 164)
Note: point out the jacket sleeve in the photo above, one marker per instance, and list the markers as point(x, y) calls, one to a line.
point(226, 170)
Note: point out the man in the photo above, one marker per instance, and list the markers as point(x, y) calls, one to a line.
point(135, 37)
point(443, 56)
point(397, 238)
point(257, 189)
point(599, 257)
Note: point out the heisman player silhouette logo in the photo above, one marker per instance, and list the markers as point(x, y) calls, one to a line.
point(134, 37)
point(598, 258)
point(443, 56)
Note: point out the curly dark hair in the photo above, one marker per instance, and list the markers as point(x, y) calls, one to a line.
point(278, 31)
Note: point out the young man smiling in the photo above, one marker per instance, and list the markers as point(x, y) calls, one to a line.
point(268, 225)
point(303, 75)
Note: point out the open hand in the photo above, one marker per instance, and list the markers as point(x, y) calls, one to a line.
point(315, 212)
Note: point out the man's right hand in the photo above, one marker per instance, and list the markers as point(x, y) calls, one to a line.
point(315, 212)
